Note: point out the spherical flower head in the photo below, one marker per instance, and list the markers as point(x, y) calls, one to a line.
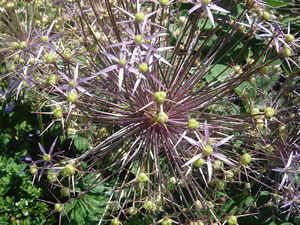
point(72, 97)
point(58, 112)
point(44, 38)
point(46, 157)
point(193, 124)
point(33, 169)
point(160, 96)
point(245, 159)
point(143, 68)
point(269, 112)
point(149, 205)
point(142, 178)
point(199, 162)
point(208, 150)
point(166, 221)
point(58, 207)
point(115, 221)
point(162, 117)
point(255, 111)
point(138, 39)
point(232, 220)
point(139, 17)
point(163, 2)
point(289, 38)
point(69, 170)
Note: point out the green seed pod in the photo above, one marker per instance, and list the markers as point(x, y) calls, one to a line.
point(163, 2)
point(245, 159)
point(160, 96)
point(72, 97)
point(51, 177)
point(208, 150)
point(138, 39)
point(254, 112)
point(122, 62)
point(115, 221)
point(50, 58)
point(22, 45)
point(33, 169)
point(232, 220)
point(166, 221)
point(58, 207)
point(46, 157)
point(65, 191)
point(199, 162)
point(269, 112)
point(143, 68)
point(69, 170)
point(51, 79)
point(289, 38)
point(193, 124)
point(198, 204)
point(162, 117)
point(132, 211)
point(139, 17)
point(218, 164)
point(220, 186)
point(266, 15)
point(142, 178)
point(58, 112)
point(182, 20)
point(44, 38)
point(149, 205)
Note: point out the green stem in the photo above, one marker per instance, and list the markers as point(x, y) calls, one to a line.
point(41, 128)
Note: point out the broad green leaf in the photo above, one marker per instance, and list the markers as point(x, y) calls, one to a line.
point(275, 3)
point(81, 142)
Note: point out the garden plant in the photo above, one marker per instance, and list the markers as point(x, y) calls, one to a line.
point(150, 111)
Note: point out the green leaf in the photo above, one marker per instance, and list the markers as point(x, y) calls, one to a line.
point(81, 142)
point(297, 220)
point(264, 193)
point(275, 3)
point(287, 223)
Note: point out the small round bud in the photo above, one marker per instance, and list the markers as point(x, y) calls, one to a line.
point(142, 178)
point(22, 45)
point(160, 96)
point(193, 124)
point(65, 191)
point(51, 177)
point(287, 51)
point(162, 117)
point(50, 58)
point(58, 112)
point(143, 68)
point(122, 62)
